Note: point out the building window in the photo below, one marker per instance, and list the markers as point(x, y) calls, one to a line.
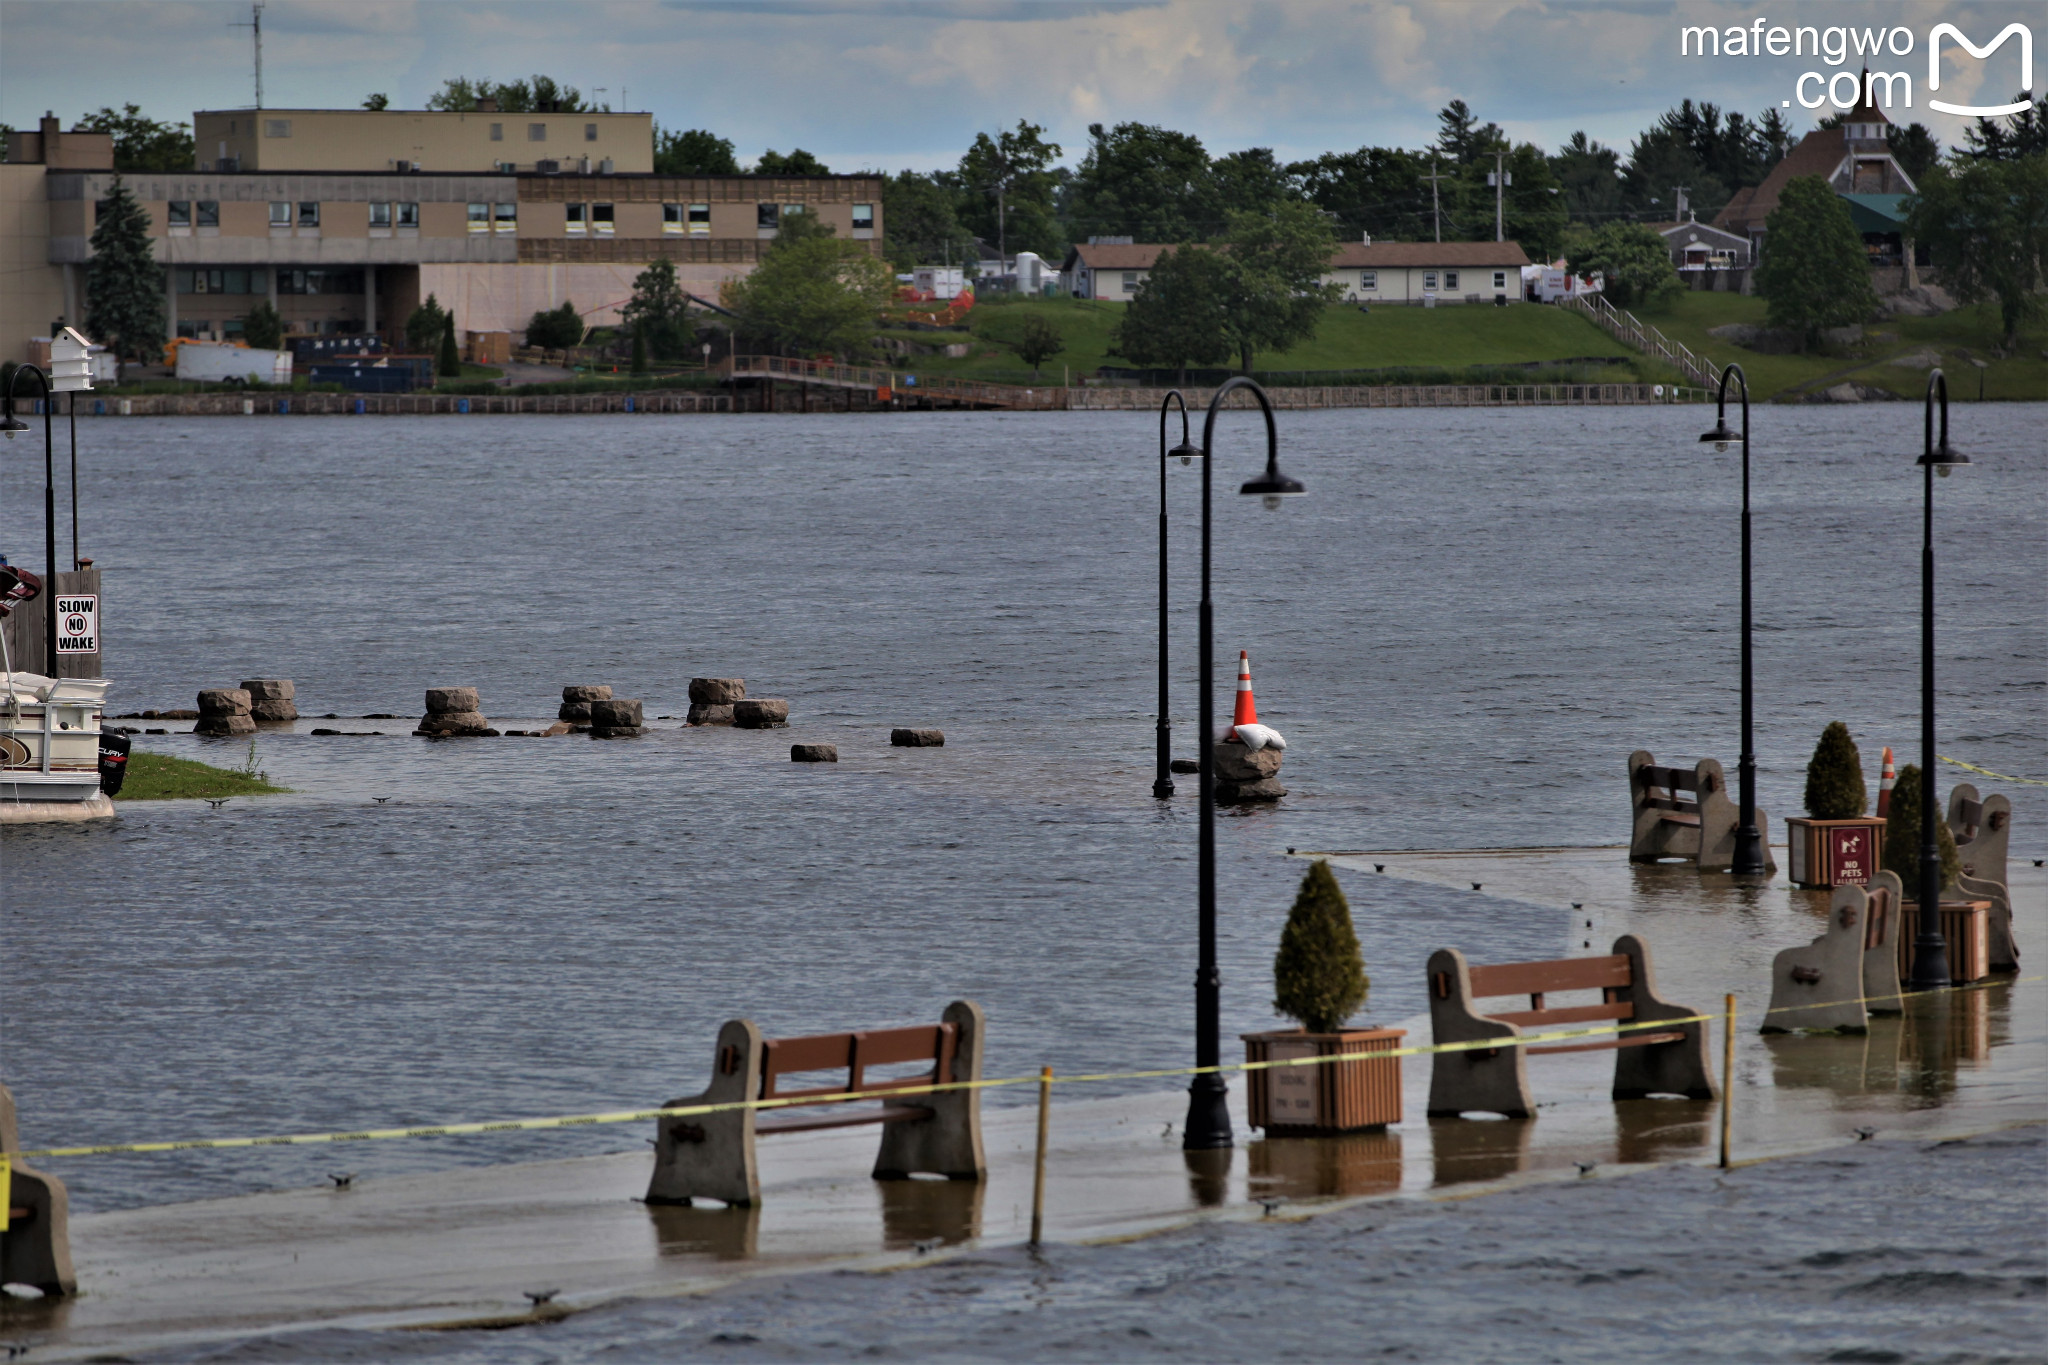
point(277, 127)
point(209, 213)
point(672, 218)
point(280, 215)
point(233, 282)
point(479, 217)
point(863, 217)
point(1368, 279)
point(99, 209)
point(700, 217)
point(601, 219)
point(409, 216)
point(380, 215)
point(179, 213)
point(1500, 279)
point(497, 132)
point(505, 217)
point(767, 217)
point(590, 132)
point(1130, 281)
point(1429, 279)
point(536, 132)
point(309, 213)
point(577, 222)
point(1450, 279)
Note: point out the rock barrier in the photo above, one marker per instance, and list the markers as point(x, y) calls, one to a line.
point(760, 713)
point(712, 700)
point(271, 699)
point(917, 739)
point(577, 701)
point(454, 711)
point(225, 711)
point(616, 718)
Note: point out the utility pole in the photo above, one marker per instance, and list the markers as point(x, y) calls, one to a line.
point(1436, 205)
point(255, 24)
point(1501, 179)
point(1678, 193)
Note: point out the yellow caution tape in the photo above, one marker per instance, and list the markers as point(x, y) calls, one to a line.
point(6, 1190)
point(692, 1110)
point(2002, 777)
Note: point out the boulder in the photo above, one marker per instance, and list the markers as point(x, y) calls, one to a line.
point(814, 753)
point(616, 714)
point(560, 727)
point(1267, 789)
point(917, 739)
point(224, 725)
point(1922, 359)
point(452, 701)
point(1235, 763)
point(717, 691)
point(224, 701)
point(269, 689)
point(1185, 765)
point(454, 722)
point(273, 711)
point(616, 731)
point(575, 710)
point(760, 713)
point(1921, 301)
point(701, 714)
point(586, 694)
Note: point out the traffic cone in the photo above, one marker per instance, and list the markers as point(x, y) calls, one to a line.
point(1886, 779)
point(1247, 713)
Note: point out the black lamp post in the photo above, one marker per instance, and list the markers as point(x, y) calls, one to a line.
point(1208, 1123)
point(1930, 949)
point(1750, 856)
point(1162, 780)
point(9, 424)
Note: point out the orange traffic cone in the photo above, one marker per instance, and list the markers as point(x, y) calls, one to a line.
point(1247, 713)
point(1886, 779)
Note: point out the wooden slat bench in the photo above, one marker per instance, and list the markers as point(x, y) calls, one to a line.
point(1652, 1061)
point(711, 1156)
point(1684, 813)
point(1847, 974)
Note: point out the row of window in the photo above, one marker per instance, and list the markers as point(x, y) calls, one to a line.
point(582, 219)
point(257, 281)
point(538, 132)
point(502, 217)
point(185, 213)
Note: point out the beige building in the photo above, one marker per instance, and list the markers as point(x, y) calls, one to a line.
point(1369, 272)
point(421, 140)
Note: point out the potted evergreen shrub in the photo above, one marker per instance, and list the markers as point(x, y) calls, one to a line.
point(1835, 844)
point(1319, 979)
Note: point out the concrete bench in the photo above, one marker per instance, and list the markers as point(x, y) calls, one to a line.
point(1982, 827)
point(1652, 1061)
point(1684, 813)
point(1836, 982)
point(711, 1156)
point(35, 1241)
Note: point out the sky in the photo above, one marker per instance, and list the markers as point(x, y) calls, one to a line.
point(894, 84)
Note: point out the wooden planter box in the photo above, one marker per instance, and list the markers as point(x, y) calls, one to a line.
point(1330, 1097)
point(1835, 852)
point(1967, 927)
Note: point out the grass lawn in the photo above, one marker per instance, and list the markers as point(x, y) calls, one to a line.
point(1957, 337)
point(159, 777)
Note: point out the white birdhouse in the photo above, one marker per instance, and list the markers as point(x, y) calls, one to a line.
point(70, 362)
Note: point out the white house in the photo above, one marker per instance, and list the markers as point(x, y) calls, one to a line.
point(1702, 246)
point(1444, 272)
point(1111, 270)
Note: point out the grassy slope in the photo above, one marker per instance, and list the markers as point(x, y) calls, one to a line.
point(159, 777)
point(1956, 336)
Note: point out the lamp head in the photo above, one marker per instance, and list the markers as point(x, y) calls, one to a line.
point(1722, 436)
point(9, 423)
point(1944, 457)
point(1272, 486)
point(1187, 452)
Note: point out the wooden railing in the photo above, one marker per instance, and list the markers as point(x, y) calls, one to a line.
point(1627, 328)
point(904, 384)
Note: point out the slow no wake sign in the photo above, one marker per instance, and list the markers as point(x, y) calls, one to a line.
point(78, 623)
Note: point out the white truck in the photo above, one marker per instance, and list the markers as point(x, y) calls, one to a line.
point(215, 362)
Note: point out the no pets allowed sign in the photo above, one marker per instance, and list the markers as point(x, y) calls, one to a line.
point(78, 624)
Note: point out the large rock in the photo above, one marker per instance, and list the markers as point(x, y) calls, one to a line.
point(452, 700)
point(269, 689)
point(273, 711)
point(578, 711)
point(760, 713)
point(814, 753)
point(1235, 763)
point(917, 739)
point(224, 725)
point(701, 714)
point(455, 722)
point(224, 701)
point(1231, 793)
point(586, 694)
point(616, 714)
point(717, 691)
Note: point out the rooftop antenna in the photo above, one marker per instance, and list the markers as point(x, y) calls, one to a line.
point(255, 24)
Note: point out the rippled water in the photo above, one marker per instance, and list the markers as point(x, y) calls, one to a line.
point(1463, 630)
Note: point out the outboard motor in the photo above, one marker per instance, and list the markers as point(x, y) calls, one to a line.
point(113, 762)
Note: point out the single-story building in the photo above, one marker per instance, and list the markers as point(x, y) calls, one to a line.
point(1446, 272)
point(1108, 270)
point(1702, 246)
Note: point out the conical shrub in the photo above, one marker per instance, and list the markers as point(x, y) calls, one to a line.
point(1834, 777)
point(1902, 835)
point(1318, 975)
point(449, 362)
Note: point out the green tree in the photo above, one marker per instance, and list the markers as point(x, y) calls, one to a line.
point(124, 287)
point(921, 216)
point(1902, 834)
point(1815, 273)
point(639, 351)
point(538, 95)
point(1145, 182)
point(263, 328)
point(1177, 319)
point(1588, 177)
point(424, 326)
point(1634, 262)
point(797, 162)
point(142, 143)
point(2012, 137)
point(1275, 296)
point(448, 362)
point(554, 329)
point(1915, 146)
point(1463, 139)
point(377, 103)
point(693, 151)
point(1985, 224)
point(1374, 191)
point(1319, 974)
point(658, 312)
point(812, 294)
point(1007, 187)
point(1834, 777)
point(1252, 179)
point(1036, 340)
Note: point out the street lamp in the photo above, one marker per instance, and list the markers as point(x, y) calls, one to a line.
point(1162, 780)
point(9, 424)
point(1750, 854)
point(1930, 949)
point(1208, 1123)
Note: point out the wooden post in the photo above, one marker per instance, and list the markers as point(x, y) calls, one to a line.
point(1727, 1077)
point(1038, 1172)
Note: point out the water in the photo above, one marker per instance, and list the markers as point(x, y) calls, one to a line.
point(1463, 631)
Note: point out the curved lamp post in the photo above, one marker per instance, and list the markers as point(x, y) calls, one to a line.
point(1930, 949)
point(9, 424)
point(1208, 1123)
point(1750, 855)
point(1162, 780)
